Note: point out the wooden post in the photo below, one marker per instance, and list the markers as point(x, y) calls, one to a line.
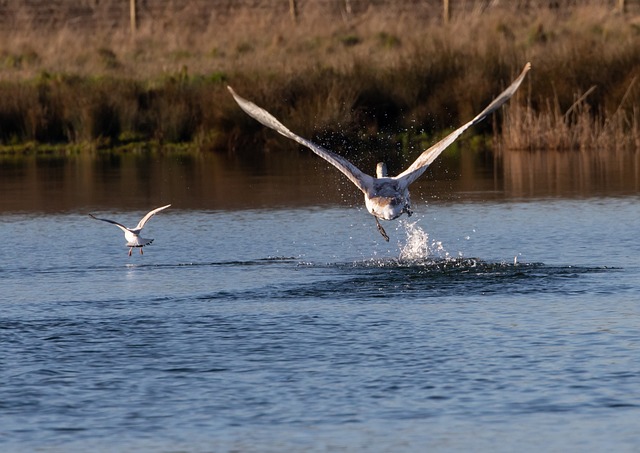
point(132, 16)
point(445, 12)
point(347, 7)
point(293, 10)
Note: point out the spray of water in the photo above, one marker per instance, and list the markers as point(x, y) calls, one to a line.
point(418, 245)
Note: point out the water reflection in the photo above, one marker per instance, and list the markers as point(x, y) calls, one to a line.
point(570, 173)
point(218, 181)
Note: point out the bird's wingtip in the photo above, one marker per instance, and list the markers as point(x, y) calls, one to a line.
point(161, 208)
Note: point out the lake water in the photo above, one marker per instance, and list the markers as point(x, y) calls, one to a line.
point(502, 316)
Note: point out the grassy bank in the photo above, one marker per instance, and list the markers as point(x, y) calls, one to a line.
point(382, 82)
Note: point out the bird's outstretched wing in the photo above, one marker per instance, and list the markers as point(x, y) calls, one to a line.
point(427, 157)
point(150, 214)
point(119, 225)
point(363, 181)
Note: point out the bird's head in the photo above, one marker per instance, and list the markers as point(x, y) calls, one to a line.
point(381, 170)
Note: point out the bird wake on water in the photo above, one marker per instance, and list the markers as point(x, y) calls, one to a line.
point(386, 197)
point(132, 235)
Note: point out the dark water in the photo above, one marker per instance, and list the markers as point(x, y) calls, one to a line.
point(494, 320)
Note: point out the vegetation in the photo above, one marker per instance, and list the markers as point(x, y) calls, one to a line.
point(387, 83)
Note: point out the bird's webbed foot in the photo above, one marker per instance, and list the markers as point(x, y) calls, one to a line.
point(381, 230)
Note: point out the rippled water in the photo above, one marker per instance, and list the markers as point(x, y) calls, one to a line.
point(484, 326)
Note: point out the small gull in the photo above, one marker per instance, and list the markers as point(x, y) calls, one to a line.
point(132, 234)
point(386, 197)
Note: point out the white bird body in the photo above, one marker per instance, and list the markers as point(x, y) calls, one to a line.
point(132, 235)
point(385, 197)
point(133, 240)
point(388, 200)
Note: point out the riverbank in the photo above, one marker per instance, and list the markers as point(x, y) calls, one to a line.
point(385, 83)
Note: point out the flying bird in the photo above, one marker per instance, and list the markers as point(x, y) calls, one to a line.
point(386, 197)
point(132, 235)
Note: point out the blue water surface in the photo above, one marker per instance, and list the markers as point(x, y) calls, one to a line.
point(481, 326)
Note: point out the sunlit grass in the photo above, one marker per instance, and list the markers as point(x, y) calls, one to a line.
point(382, 80)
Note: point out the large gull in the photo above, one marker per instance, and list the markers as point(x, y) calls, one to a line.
point(386, 197)
point(132, 235)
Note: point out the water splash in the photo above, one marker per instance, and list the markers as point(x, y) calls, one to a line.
point(418, 245)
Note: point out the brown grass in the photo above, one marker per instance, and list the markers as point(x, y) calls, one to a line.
point(577, 128)
point(375, 81)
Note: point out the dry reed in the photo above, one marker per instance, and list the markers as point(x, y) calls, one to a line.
point(578, 127)
point(377, 81)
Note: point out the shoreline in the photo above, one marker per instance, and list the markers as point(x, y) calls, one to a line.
point(374, 81)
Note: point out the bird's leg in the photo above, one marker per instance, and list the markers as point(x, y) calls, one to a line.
point(381, 230)
point(130, 250)
point(141, 251)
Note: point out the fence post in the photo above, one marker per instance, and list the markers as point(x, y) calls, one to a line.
point(445, 12)
point(347, 6)
point(293, 10)
point(132, 16)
